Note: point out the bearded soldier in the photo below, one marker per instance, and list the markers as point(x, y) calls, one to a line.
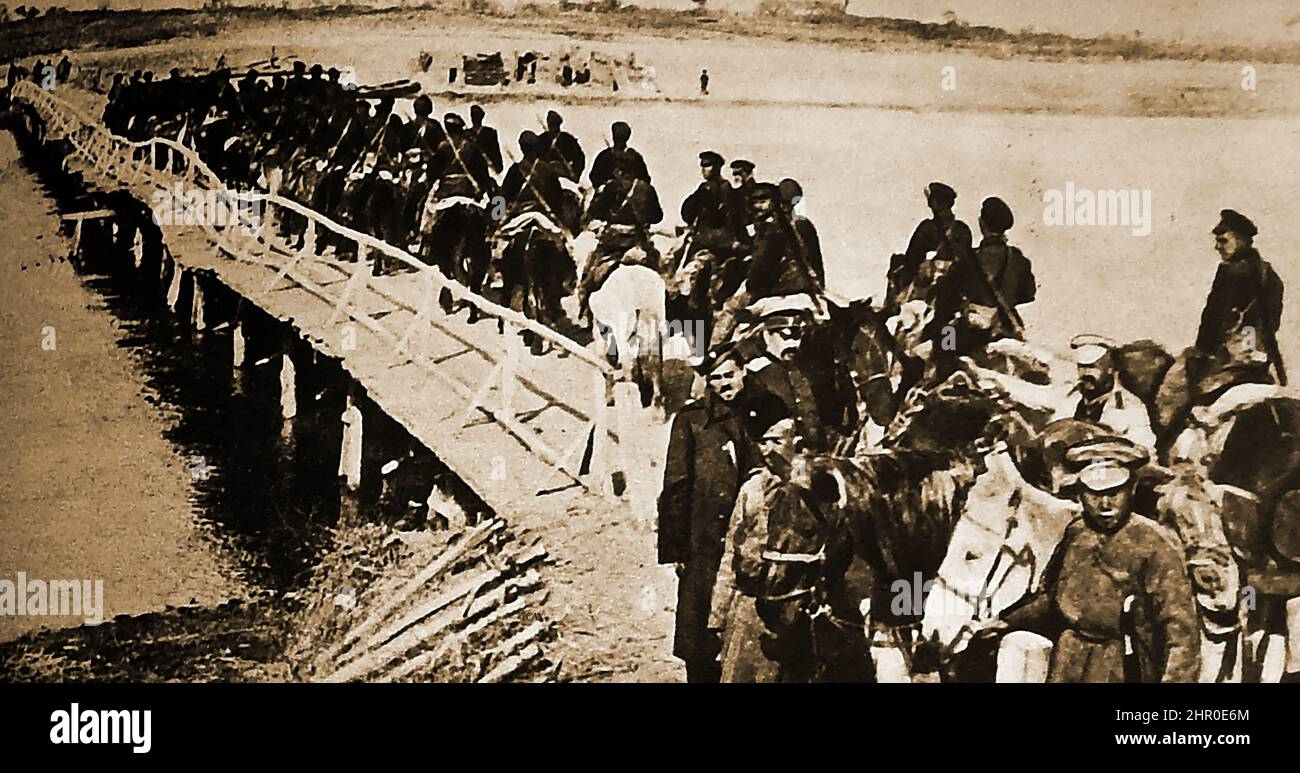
point(742, 188)
point(786, 380)
point(1102, 400)
point(1115, 596)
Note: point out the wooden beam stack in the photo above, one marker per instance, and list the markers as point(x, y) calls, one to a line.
point(471, 612)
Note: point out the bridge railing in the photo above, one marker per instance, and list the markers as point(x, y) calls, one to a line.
point(248, 231)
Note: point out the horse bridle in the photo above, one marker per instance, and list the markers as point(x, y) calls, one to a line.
point(1021, 557)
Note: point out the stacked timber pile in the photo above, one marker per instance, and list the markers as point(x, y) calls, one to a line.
point(451, 606)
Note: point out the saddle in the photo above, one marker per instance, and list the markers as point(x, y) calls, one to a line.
point(530, 219)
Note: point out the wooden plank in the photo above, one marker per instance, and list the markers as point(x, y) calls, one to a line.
point(472, 539)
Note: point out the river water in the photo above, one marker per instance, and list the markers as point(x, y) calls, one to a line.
point(133, 455)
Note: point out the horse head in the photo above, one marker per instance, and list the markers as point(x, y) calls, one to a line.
point(1000, 544)
point(1192, 505)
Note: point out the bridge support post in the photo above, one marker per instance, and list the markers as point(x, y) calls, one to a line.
point(627, 401)
point(288, 385)
point(309, 238)
point(350, 452)
point(198, 322)
point(237, 343)
point(598, 463)
point(174, 288)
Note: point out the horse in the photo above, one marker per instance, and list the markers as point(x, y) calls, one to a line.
point(1016, 515)
point(627, 325)
point(904, 501)
point(1246, 447)
point(532, 257)
point(998, 550)
point(454, 238)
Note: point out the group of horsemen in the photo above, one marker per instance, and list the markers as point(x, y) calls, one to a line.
point(779, 379)
point(766, 595)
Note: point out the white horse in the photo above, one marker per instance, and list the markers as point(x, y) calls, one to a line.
point(628, 319)
point(997, 553)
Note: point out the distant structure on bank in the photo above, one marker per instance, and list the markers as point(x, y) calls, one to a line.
point(589, 71)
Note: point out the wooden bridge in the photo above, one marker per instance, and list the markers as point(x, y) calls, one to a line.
point(513, 426)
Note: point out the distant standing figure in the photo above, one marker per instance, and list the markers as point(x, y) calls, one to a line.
point(704, 83)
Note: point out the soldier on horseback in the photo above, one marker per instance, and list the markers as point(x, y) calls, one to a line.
point(486, 138)
point(532, 254)
point(975, 301)
point(936, 244)
point(602, 169)
point(424, 135)
point(741, 194)
point(1236, 342)
point(455, 218)
point(711, 245)
point(1246, 298)
point(777, 264)
point(621, 213)
point(562, 148)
